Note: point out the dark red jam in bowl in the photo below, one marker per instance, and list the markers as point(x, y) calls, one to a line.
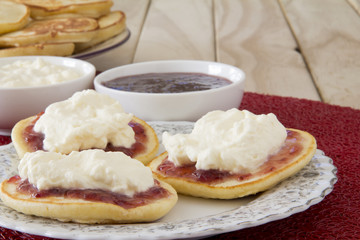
point(173, 82)
point(95, 195)
point(286, 154)
point(35, 139)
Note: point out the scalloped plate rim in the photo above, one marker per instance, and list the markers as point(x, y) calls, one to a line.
point(159, 230)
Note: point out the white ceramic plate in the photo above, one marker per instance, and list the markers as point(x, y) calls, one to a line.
point(103, 47)
point(191, 217)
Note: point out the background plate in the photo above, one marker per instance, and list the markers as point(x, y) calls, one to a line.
point(191, 217)
point(103, 47)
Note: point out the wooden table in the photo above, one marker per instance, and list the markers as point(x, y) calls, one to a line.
point(301, 48)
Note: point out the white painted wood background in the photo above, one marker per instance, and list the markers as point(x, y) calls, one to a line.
point(299, 48)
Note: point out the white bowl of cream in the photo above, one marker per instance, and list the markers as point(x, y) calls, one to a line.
point(28, 84)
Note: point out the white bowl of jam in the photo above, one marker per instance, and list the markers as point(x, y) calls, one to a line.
point(173, 90)
point(28, 84)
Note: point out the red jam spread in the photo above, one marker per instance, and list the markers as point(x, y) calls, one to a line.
point(286, 154)
point(170, 82)
point(35, 139)
point(95, 195)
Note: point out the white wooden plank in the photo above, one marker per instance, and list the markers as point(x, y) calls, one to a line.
point(177, 29)
point(135, 11)
point(329, 36)
point(355, 4)
point(253, 35)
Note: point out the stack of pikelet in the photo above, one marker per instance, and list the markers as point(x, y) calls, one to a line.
point(56, 27)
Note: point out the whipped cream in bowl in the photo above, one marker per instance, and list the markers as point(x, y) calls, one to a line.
point(30, 83)
point(38, 72)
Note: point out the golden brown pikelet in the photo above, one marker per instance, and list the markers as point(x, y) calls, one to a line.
point(77, 29)
point(84, 211)
point(296, 153)
point(110, 25)
point(13, 16)
point(47, 8)
point(41, 49)
point(151, 143)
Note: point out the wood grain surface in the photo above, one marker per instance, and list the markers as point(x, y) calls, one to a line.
point(329, 39)
point(177, 30)
point(257, 39)
point(299, 48)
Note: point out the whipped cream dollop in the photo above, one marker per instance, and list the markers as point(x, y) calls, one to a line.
point(88, 169)
point(29, 73)
point(86, 120)
point(235, 141)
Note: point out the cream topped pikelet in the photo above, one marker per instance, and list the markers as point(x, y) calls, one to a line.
point(232, 154)
point(90, 186)
point(87, 120)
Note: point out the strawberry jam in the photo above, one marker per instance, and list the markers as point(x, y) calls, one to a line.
point(35, 139)
point(286, 154)
point(167, 82)
point(94, 195)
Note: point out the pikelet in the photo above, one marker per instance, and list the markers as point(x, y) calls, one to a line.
point(98, 187)
point(56, 27)
point(110, 25)
point(71, 29)
point(47, 8)
point(43, 49)
point(73, 209)
point(297, 152)
point(22, 144)
point(13, 16)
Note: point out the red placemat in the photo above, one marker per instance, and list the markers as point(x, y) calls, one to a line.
point(337, 130)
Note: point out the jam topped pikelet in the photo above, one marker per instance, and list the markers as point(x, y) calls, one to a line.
point(85, 127)
point(222, 173)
